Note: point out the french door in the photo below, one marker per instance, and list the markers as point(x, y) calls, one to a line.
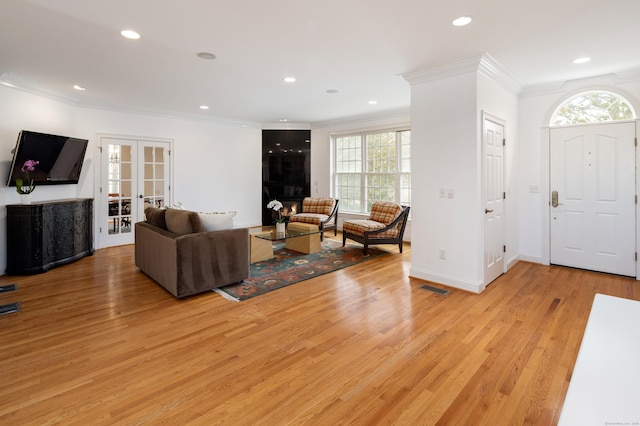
point(592, 212)
point(135, 175)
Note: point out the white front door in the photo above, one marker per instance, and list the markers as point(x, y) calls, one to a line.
point(493, 194)
point(592, 184)
point(135, 175)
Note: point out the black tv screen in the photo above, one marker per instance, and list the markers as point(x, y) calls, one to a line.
point(59, 158)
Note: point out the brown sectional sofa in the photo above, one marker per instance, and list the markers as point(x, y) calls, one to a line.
point(173, 248)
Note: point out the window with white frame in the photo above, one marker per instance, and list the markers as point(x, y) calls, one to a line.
point(372, 166)
point(595, 106)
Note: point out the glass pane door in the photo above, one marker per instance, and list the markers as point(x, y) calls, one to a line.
point(119, 184)
point(135, 175)
point(154, 182)
point(119, 187)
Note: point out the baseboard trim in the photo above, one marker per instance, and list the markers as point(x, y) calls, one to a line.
point(448, 280)
point(532, 259)
point(512, 262)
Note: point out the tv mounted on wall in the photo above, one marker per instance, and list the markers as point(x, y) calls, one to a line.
point(60, 158)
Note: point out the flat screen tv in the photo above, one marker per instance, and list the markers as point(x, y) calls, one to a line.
point(59, 158)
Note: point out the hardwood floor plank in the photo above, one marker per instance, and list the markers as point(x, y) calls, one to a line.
point(98, 342)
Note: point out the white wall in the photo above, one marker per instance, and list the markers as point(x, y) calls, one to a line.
point(536, 106)
point(445, 155)
point(217, 167)
point(447, 105)
point(495, 99)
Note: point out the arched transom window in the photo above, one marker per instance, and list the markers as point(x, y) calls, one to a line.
point(593, 107)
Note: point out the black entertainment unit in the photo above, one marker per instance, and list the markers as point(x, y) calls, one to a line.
point(286, 170)
point(43, 235)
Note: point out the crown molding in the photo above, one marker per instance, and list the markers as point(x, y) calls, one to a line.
point(286, 126)
point(482, 64)
point(440, 71)
point(492, 69)
point(563, 86)
point(402, 115)
point(14, 81)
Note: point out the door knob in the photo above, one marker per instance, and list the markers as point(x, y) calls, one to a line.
point(487, 211)
point(140, 196)
point(554, 199)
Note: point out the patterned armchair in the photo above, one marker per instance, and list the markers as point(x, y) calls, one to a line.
point(322, 212)
point(385, 225)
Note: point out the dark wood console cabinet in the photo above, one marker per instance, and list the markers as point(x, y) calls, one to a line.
point(43, 235)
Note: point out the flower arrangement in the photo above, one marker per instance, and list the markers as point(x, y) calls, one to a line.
point(21, 187)
point(276, 205)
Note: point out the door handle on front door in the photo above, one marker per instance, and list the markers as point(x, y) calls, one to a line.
point(554, 199)
point(486, 211)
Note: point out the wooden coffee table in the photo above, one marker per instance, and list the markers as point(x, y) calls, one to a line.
point(300, 237)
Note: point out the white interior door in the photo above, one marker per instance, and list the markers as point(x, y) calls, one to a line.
point(493, 193)
point(135, 175)
point(592, 212)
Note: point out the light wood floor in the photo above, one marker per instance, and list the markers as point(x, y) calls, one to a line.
point(97, 342)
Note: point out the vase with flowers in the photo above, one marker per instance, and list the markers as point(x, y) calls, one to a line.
point(276, 205)
point(26, 187)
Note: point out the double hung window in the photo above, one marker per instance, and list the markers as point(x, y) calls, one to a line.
point(372, 166)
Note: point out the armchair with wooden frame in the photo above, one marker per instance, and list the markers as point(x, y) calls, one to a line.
point(322, 212)
point(385, 225)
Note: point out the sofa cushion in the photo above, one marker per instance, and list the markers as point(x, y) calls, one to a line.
point(217, 221)
point(156, 217)
point(312, 218)
point(317, 205)
point(385, 211)
point(182, 222)
point(360, 226)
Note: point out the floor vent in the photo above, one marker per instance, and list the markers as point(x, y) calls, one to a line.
point(436, 290)
point(9, 308)
point(7, 288)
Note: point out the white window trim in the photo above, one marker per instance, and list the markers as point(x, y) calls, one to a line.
point(363, 133)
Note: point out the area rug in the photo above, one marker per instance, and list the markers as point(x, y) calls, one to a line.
point(290, 267)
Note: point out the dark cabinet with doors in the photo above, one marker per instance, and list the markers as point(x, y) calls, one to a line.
point(43, 235)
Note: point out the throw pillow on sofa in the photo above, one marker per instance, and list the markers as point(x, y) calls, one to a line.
point(182, 222)
point(217, 221)
point(155, 217)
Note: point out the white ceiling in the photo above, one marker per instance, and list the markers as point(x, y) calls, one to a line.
point(358, 47)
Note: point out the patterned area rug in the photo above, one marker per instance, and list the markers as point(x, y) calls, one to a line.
point(290, 267)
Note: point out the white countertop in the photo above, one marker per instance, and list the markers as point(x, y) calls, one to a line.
point(605, 385)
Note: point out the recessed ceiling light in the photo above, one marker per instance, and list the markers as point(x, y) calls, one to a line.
point(373, 102)
point(289, 79)
point(332, 91)
point(461, 21)
point(206, 55)
point(283, 120)
point(583, 60)
point(204, 107)
point(82, 89)
point(130, 34)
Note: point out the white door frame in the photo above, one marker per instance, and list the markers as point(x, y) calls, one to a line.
point(98, 208)
point(489, 117)
point(545, 137)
